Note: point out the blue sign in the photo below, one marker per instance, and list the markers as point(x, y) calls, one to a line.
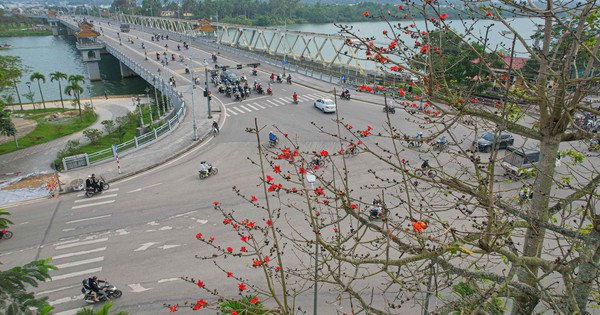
point(343, 77)
point(284, 62)
point(115, 148)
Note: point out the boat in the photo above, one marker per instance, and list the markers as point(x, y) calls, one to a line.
point(5, 46)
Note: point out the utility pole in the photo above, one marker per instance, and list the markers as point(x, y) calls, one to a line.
point(194, 126)
point(208, 97)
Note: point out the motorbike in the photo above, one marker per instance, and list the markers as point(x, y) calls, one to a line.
point(289, 80)
point(205, 174)
point(594, 145)
point(279, 80)
point(110, 291)
point(6, 234)
point(389, 109)
point(374, 212)
point(345, 96)
point(295, 100)
point(89, 191)
point(254, 72)
point(270, 91)
point(273, 143)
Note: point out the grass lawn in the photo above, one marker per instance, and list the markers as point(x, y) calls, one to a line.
point(21, 30)
point(49, 130)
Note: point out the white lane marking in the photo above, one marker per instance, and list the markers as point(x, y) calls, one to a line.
point(122, 232)
point(69, 312)
point(66, 299)
point(80, 262)
point(68, 230)
point(202, 221)
point(67, 255)
point(273, 103)
point(144, 246)
point(81, 243)
point(279, 101)
point(227, 114)
point(182, 214)
point(93, 204)
point(256, 104)
point(252, 107)
point(142, 188)
point(230, 111)
point(58, 289)
point(109, 190)
point(96, 198)
point(245, 108)
point(168, 246)
point(167, 280)
point(76, 274)
point(89, 219)
point(66, 242)
point(136, 287)
point(23, 223)
point(165, 228)
point(239, 110)
point(153, 223)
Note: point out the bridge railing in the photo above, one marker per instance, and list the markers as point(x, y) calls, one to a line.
point(175, 101)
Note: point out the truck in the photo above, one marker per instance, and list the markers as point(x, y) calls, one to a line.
point(520, 162)
point(125, 28)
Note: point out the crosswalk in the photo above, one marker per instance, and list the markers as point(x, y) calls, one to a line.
point(77, 258)
point(265, 102)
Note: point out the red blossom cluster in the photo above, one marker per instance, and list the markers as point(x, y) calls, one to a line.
point(419, 226)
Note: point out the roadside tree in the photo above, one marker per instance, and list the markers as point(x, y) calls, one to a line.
point(59, 76)
point(39, 77)
point(75, 89)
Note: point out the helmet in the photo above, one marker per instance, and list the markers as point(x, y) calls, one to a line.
point(93, 175)
point(203, 162)
point(95, 277)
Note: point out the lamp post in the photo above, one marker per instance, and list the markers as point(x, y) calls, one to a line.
point(284, 37)
point(91, 102)
point(194, 126)
point(149, 104)
point(133, 99)
point(18, 95)
point(154, 80)
point(206, 88)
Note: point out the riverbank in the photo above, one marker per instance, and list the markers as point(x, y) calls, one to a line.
point(21, 29)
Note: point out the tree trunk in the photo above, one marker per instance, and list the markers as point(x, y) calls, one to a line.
point(588, 272)
point(534, 236)
point(41, 94)
point(79, 104)
point(61, 97)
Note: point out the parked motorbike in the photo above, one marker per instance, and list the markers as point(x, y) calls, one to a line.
point(110, 291)
point(205, 174)
point(89, 191)
point(6, 234)
point(273, 143)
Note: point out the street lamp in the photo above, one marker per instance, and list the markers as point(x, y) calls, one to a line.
point(149, 104)
point(206, 88)
point(154, 80)
point(91, 102)
point(133, 99)
point(194, 127)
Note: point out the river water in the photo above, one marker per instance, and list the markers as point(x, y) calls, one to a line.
point(46, 54)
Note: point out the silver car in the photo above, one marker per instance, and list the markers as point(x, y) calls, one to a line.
point(325, 105)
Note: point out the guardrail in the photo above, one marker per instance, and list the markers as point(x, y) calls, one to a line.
point(174, 101)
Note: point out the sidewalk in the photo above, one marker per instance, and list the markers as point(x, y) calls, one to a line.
point(179, 140)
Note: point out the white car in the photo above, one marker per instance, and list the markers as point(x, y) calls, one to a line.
point(325, 105)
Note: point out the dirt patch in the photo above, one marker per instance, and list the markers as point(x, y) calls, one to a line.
point(31, 182)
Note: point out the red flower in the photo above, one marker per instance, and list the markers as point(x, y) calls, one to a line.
point(402, 92)
point(199, 304)
point(277, 268)
point(269, 179)
point(229, 274)
point(316, 167)
point(267, 259)
point(335, 230)
point(215, 203)
point(349, 126)
point(324, 153)
point(359, 142)
point(285, 135)
point(254, 300)
point(250, 225)
point(226, 221)
point(302, 170)
point(366, 14)
point(400, 7)
point(242, 286)
point(256, 262)
point(245, 238)
point(405, 15)
point(234, 313)
point(385, 32)
point(243, 249)
point(212, 239)
point(369, 128)
point(277, 169)
point(272, 188)
point(354, 206)
point(424, 49)
point(396, 68)
point(229, 249)
point(365, 133)
point(419, 226)
point(501, 54)
point(235, 226)
point(268, 222)
point(318, 213)
point(199, 236)
point(319, 191)
point(444, 16)
point(473, 101)
point(173, 309)
point(488, 13)
point(254, 199)
point(200, 284)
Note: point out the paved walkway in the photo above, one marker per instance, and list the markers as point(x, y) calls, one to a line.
point(180, 140)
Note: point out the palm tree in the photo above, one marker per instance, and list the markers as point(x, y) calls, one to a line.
point(38, 76)
point(74, 89)
point(58, 76)
point(102, 311)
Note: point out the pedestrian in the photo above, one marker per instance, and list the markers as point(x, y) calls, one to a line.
point(105, 95)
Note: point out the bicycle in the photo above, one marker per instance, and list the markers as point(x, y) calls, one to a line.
point(318, 163)
point(351, 152)
point(421, 172)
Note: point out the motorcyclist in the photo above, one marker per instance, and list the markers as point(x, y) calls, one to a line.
point(351, 147)
point(425, 165)
point(215, 125)
point(205, 167)
point(89, 182)
point(442, 141)
point(295, 97)
point(316, 160)
point(95, 185)
point(269, 90)
point(272, 77)
point(278, 78)
point(345, 94)
point(272, 137)
point(289, 79)
point(377, 210)
point(254, 71)
point(95, 288)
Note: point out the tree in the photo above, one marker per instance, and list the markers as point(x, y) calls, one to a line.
point(14, 282)
point(58, 76)
point(453, 232)
point(92, 134)
point(75, 89)
point(7, 127)
point(109, 125)
point(39, 77)
point(11, 69)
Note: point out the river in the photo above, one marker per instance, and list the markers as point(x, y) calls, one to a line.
point(46, 54)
